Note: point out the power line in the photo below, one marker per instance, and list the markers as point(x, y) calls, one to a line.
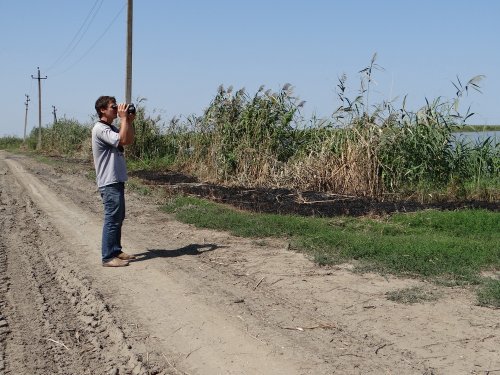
point(94, 44)
point(72, 45)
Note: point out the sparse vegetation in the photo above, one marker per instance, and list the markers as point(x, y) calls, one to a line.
point(489, 294)
point(412, 295)
point(138, 187)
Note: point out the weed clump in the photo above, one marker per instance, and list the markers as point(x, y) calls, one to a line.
point(413, 295)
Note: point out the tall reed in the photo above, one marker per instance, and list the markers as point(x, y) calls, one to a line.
point(243, 139)
point(149, 142)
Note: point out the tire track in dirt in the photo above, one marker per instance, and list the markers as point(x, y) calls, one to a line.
point(4, 286)
point(51, 321)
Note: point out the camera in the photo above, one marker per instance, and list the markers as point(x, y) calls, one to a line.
point(131, 109)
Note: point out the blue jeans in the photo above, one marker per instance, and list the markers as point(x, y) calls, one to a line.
point(113, 199)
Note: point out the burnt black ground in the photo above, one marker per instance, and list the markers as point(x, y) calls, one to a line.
point(285, 201)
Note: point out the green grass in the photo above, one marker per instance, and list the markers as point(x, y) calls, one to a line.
point(489, 294)
point(448, 246)
point(139, 188)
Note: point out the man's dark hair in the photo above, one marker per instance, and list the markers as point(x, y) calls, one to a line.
point(102, 103)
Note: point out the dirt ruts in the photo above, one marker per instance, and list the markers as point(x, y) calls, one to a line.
point(51, 319)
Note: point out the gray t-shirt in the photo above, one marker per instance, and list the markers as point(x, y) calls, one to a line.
point(109, 160)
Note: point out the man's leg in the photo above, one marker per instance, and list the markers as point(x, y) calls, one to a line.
point(117, 250)
point(112, 198)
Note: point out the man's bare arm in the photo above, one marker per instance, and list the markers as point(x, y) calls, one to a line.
point(127, 131)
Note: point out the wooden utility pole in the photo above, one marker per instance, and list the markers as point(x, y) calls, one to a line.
point(54, 110)
point(39, 144)
point(128, 78)
point(26, 116)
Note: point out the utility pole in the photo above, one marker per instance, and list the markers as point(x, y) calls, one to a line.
point(39, 144)
point(26, 116)
point(128, 78)
point(54, 110)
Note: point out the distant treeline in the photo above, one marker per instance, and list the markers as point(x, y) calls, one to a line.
point(477, 128)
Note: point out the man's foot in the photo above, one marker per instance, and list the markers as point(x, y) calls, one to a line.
point(125, 256)
point(115, 262)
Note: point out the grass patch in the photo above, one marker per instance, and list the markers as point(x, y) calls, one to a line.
point(451, 246)
point(411, 295)
point(91, 175)
point(136, 186)
point(489, 294)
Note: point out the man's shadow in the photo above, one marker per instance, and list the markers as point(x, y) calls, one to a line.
point(192, 249)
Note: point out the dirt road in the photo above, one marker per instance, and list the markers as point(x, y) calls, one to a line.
point(202, 302)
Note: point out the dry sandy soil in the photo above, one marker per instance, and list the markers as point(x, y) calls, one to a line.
point(203, 302)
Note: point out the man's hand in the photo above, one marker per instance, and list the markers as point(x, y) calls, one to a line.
point(123, 112)
point(126, 128)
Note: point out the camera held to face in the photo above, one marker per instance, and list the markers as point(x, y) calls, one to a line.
point(131, 109)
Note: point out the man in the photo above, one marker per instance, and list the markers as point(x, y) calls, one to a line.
point(111, 173)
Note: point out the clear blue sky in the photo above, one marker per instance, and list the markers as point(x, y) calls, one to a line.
point(184, 49)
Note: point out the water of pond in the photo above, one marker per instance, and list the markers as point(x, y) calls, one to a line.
point(479, 137)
